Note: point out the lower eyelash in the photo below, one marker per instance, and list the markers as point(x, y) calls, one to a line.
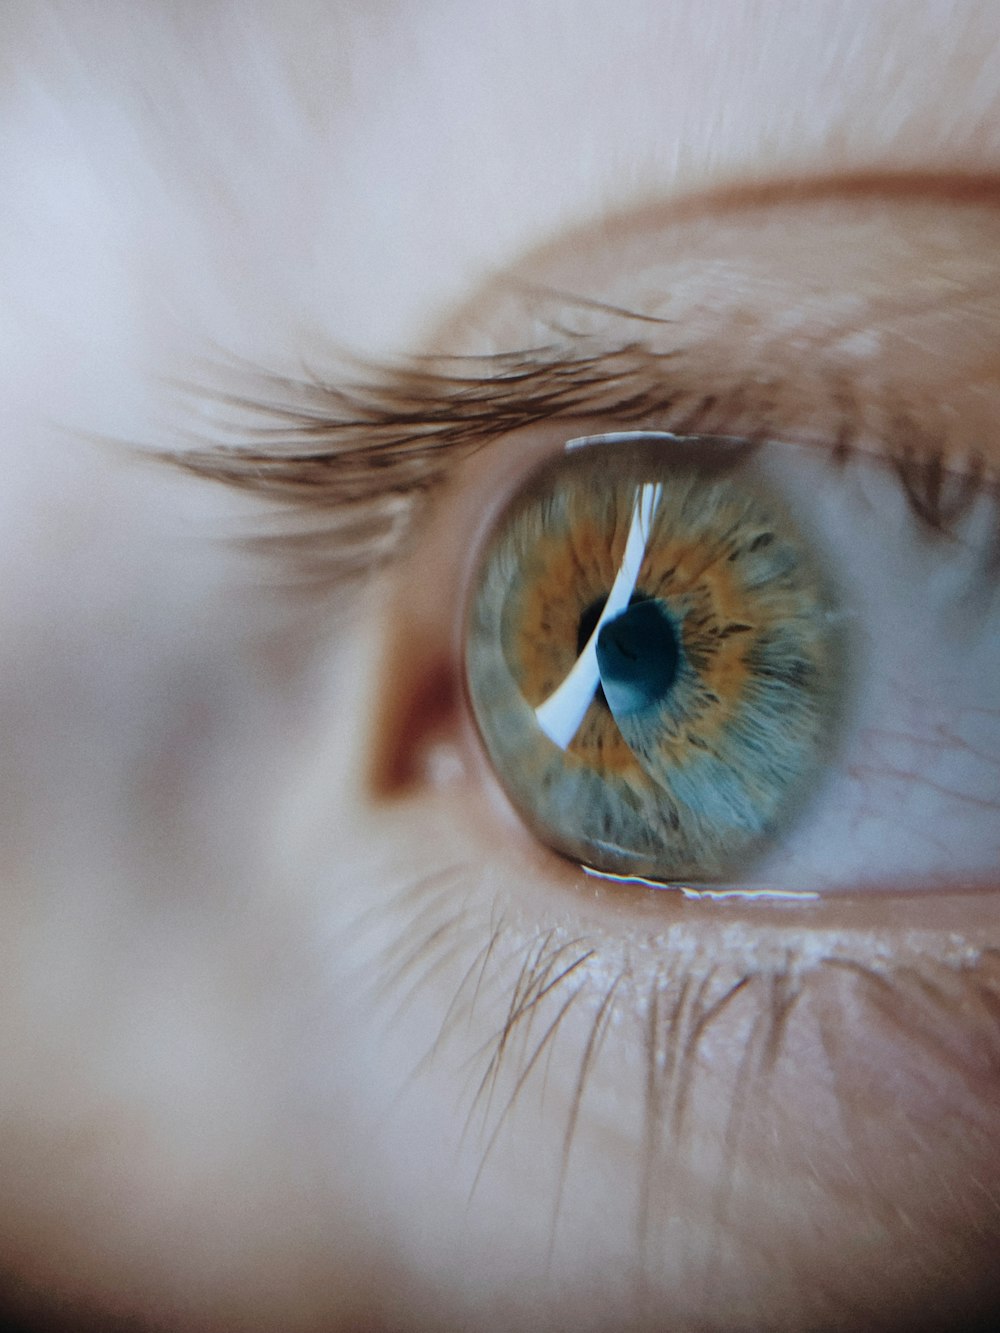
point(570, 1000)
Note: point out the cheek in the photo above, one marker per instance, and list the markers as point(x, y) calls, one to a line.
point(151, 967)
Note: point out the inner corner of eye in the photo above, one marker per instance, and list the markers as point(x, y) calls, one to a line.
point(415, 723)
point(650, 661)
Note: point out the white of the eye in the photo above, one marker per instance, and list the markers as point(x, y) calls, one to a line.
point(909, 790)
point(562, 712)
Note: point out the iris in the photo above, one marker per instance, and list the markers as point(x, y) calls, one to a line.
point(651, 657)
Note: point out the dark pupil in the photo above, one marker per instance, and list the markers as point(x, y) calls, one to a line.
point(637, 653)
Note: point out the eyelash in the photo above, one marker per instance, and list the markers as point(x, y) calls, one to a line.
point(558, 990)
point(350, 463)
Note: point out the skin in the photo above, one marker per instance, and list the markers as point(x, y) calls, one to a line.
point(264, 910)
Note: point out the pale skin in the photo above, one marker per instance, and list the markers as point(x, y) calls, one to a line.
point(264, 913)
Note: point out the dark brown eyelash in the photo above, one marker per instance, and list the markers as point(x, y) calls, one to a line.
point(348, 462)
point(939, 497)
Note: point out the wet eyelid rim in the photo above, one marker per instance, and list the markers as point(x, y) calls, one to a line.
point(620, 437)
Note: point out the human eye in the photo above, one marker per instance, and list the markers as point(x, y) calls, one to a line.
point(663, 665)
point(617, 1104)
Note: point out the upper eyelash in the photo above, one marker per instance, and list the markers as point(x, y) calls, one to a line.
point(940, 497)
point(353, 459)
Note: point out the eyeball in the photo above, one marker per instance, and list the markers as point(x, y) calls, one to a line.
point(652, 658)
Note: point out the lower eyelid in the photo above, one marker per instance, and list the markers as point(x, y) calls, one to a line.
point(695, 1060)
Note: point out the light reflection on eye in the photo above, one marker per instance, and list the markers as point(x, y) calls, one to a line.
point(657, 664)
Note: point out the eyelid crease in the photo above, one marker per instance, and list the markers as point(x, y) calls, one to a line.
point(349, 462)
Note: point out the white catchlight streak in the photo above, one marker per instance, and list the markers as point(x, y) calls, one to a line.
point(563, 711)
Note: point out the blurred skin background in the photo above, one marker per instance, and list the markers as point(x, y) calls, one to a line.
point(298, 1030)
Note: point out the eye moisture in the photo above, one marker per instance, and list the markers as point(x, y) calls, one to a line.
point(651, 658)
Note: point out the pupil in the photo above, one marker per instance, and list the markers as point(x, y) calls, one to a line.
point(637, 654)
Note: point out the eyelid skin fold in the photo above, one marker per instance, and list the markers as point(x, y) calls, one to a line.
point(711, 316)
